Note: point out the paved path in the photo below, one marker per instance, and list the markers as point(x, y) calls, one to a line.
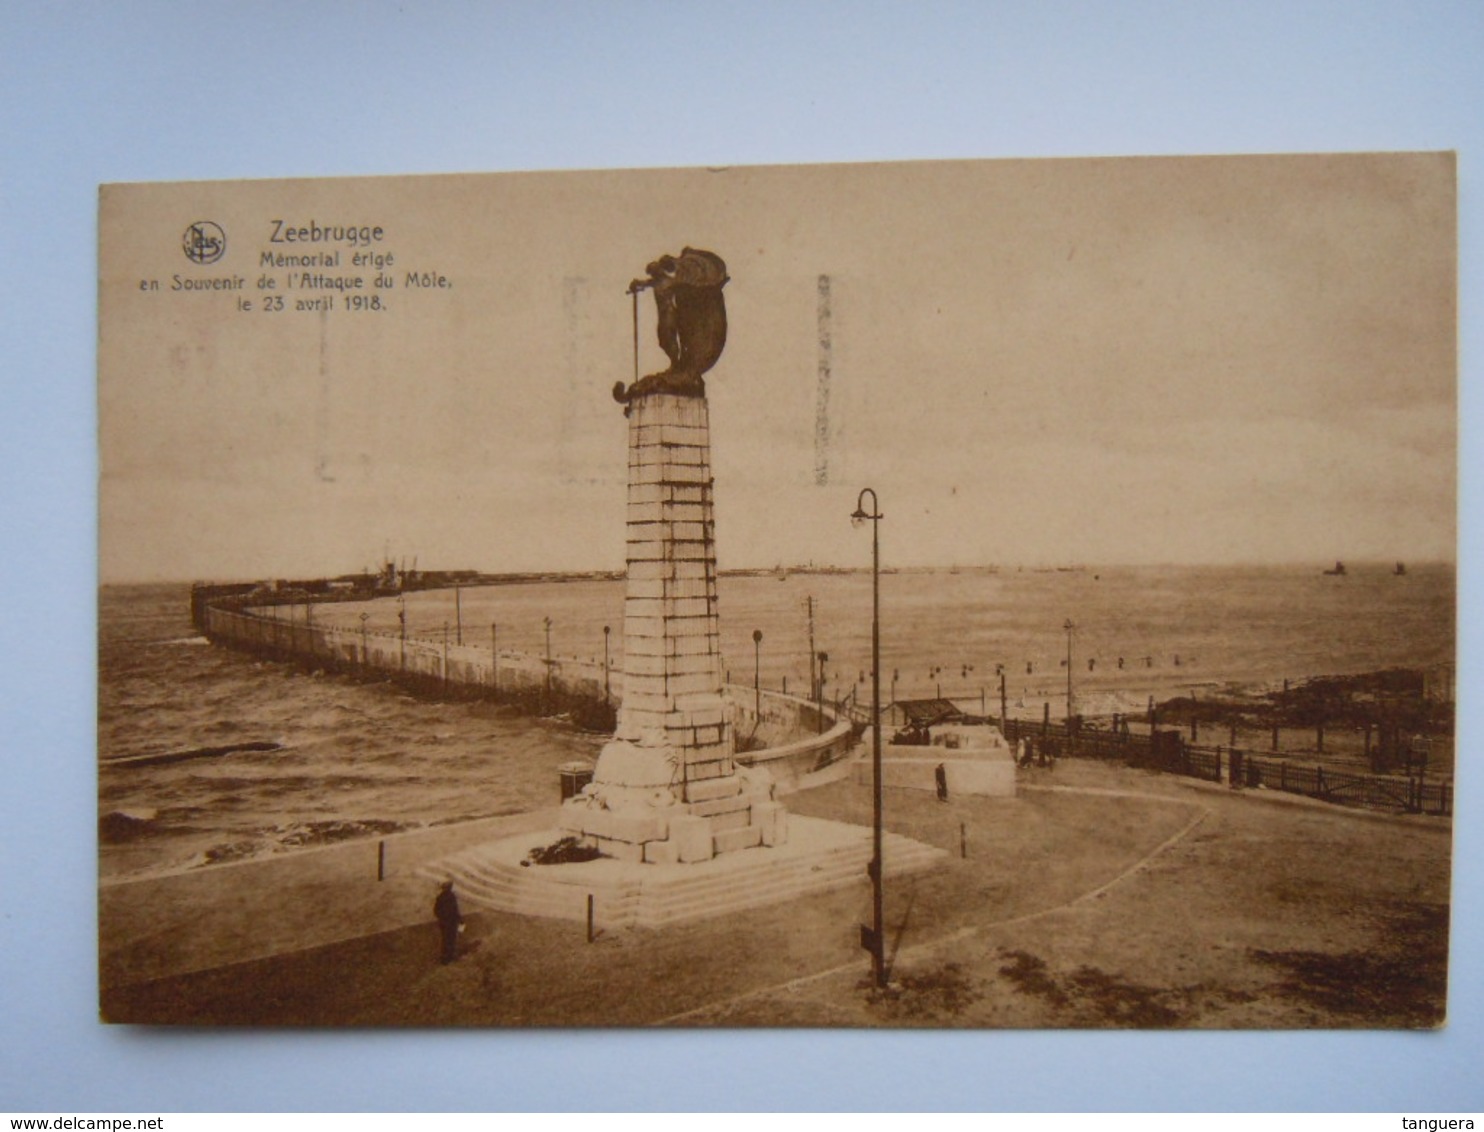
point(1127, 899)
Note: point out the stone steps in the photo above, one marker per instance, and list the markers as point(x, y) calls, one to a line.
point(631, 895)
point(788, 880)
point(503, 887)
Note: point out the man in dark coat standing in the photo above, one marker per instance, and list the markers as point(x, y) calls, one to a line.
point(446, 909)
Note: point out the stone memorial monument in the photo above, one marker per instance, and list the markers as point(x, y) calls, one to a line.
point(666, 788)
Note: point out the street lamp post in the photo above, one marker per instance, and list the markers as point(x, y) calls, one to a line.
point(757, 683)
point(547, 622)
point(607, 693)
point(1071, 706)
point(876, 938)
point(1068, 626)
point(819, 691)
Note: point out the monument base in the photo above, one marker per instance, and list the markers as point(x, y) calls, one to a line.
point(821, 856)
point(635, 810)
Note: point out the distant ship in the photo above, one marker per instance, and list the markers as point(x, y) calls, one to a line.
point(1338, 571)
point(1401, 568)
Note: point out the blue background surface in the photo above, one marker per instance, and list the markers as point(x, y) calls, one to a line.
point(99, 93)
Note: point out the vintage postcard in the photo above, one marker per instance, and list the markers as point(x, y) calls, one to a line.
point(970, 594)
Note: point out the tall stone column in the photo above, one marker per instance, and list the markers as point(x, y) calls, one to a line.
point(666, 788)
point(672, 718)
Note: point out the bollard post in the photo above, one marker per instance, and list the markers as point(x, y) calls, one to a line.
point(590, 935)
point(963, 840)
point(381, 860)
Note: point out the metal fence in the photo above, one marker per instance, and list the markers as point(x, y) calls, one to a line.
point(1168, 751)
point(1411, 794)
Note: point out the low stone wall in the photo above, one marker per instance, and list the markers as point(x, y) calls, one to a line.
point(799, 737)
point(916, 768)
point(962, 758)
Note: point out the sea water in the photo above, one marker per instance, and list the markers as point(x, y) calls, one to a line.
point(358, 759)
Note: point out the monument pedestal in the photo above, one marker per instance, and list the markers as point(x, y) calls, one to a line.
point(666, 787)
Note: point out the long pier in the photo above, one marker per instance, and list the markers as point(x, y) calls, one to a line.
point(791, 736)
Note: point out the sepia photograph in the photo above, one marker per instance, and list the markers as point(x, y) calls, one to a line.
point(962, 594)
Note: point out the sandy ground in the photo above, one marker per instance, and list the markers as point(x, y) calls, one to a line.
point(1100, 897)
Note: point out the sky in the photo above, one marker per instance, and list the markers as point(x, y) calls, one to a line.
point(1188, 360)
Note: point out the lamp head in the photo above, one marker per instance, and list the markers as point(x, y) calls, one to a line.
point(860, 514)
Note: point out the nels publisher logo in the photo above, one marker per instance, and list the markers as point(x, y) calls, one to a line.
point(204, 242)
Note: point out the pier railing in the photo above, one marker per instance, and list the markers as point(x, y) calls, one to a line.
point(418, 660)
point(776, 726)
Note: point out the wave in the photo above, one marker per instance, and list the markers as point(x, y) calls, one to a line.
point(119, 827)
point(300, 835)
